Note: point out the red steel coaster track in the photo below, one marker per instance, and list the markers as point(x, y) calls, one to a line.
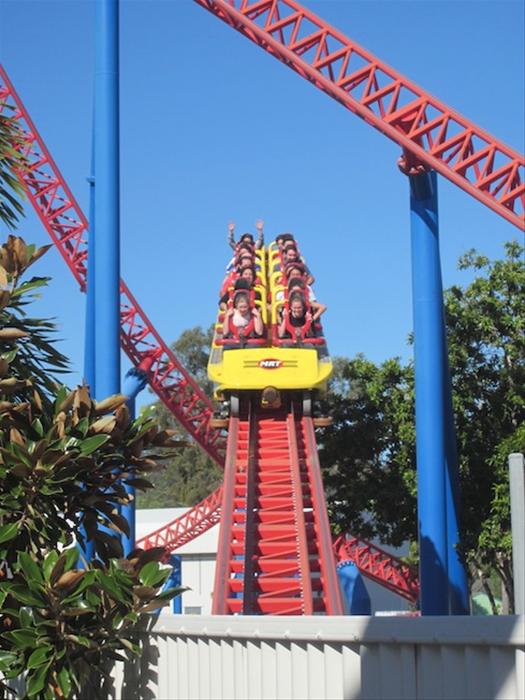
point(379, 566)
point(430, 133)
point(188, 526)
point(65, 222)
point(373, 562)
point(63, 219)
point(275, 554)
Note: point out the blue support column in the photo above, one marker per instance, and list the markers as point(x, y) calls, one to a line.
point(355, 597)
point(90, 328)
point(134, 382)
point(107, 220)
point(90, 325)
point(430, 400)
point(457, 575)
point(174, 581)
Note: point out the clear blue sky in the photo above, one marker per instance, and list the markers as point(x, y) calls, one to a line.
point(215, 129)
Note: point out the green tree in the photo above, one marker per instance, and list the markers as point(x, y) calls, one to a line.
point(190, 475)
point(368, 454)
point(487, 356)
point(65, 461)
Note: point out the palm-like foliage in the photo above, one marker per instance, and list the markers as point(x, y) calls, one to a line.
point(26, 343)
point(10, 159)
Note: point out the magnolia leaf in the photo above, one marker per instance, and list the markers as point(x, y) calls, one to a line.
point(82, 426)
point(11, 384)
point(69, 580)
point(20, 470)
point(9, 531)
point(89, 445)
point(5, 298)
point(38, 400)
point(64, 681)
point(151, 574)
point(154, 605)
point(20, 251)
point(15, 436)
point(49, 564)
point(140, 483)
point(39, 656)
point(76, 612)
point(39, 252)
point(110, 586)
point(22, 638)
point(26, 596)
point(78, 639)
point(104, 425)
point(7, 659)
point(110, 404)
point(81, 400)
point(144, 592)
point(119, 522)
point(153, 554)
point(36, 681)
point(37, 427)
point(9, 333)
point(170, 593)
point(31, 570)
point(34, 283)
point(3, 278)
point(61, 397)
point(87, 581)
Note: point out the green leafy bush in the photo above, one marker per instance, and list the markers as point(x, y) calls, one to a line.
point(65, 462)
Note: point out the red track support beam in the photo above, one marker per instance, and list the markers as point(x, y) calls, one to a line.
point(225, 545)
point(323, 537)
point(63, 219)
point(429, 132)
point(186, 528)
point(379, 566)
point(303, 554)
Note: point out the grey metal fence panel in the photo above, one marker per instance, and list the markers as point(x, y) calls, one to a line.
point(345, 658)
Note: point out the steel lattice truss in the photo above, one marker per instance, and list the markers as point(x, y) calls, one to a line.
point(430, 133)
point(379, 566)
point(66, 224)
point(188, 526)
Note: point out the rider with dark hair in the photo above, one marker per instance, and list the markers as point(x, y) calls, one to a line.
point(246, 237)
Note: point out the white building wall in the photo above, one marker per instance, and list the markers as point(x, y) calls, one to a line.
point(197, 573)
point(197, 558)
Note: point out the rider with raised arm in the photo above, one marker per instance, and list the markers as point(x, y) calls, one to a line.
point(246, 237)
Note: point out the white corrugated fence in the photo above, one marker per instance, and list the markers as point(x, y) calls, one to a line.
point(370, 658)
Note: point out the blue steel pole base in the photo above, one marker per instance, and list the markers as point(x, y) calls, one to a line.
point(87, 552)
point(429, 382)
point(174, 580)
point(457, 575)
point(354, 594)
point(134, 381)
